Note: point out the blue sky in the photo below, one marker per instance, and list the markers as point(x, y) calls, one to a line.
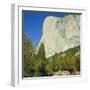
point(33, 22)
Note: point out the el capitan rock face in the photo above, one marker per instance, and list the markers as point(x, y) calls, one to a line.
point(60, 34)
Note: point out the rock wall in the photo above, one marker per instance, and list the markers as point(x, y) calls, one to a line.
point(60, 34)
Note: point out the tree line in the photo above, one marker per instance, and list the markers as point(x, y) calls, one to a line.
point(38, 65)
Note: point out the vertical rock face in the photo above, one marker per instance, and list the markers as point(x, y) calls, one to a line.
point(60, 34)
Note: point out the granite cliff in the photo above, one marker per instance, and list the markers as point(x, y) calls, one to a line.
point(60, 34)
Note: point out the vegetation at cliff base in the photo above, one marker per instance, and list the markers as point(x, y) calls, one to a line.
point(36, 64)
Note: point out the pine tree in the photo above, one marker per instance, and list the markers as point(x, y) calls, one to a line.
point(28, 56)
point(40, 62)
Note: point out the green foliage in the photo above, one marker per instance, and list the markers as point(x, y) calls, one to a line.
point(55, 60)
point(77, 63)
point(36, 64)
point(72, 51)
point(40, 61)
point(69, 62)
point(28, 56)
point(42, 66)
